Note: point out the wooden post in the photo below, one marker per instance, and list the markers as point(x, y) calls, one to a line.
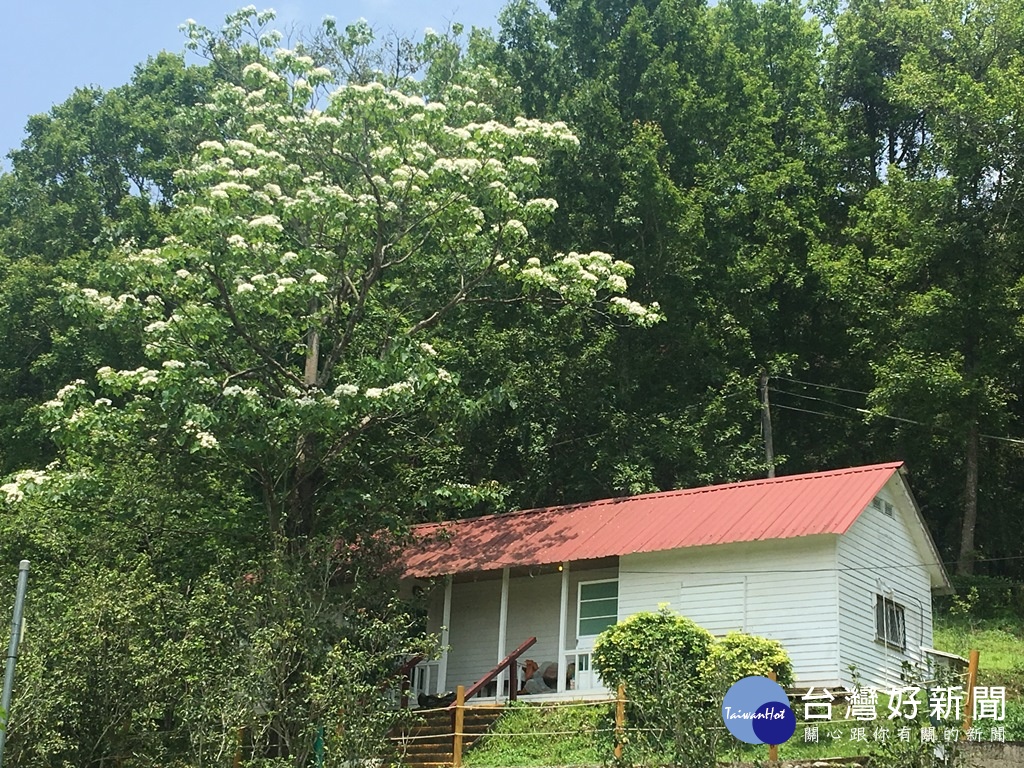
point(773, 749)
point(460, 715)
point(502, 632)
point(972, 679)
point(766, 425)
point(446, 622)
point(620, 719)
point(563, 625)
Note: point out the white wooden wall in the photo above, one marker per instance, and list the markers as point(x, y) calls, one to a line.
point(877, 554)
point(785, 590)
point(533, 604)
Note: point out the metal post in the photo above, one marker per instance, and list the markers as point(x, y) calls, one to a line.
point(12, 652)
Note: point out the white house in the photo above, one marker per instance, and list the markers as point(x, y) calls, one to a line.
point(838, 566)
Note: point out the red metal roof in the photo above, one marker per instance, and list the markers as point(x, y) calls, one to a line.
point(756, 510)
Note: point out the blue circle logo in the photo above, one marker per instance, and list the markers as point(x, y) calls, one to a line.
point(756, 711)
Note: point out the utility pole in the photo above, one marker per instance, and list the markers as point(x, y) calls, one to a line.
point(766, 425)
point(12, 653)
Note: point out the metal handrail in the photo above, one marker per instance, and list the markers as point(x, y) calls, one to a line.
point(507, 662)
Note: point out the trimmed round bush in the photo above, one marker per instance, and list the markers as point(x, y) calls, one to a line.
point(649, 646)
point(739, 655)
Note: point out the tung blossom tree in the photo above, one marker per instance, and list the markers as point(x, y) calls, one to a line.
point(319, 246)
point(295, 324)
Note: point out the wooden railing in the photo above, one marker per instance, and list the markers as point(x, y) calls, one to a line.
point(405, 678)
point(510, 663)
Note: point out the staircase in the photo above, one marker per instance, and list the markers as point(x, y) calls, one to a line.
point(428, 744)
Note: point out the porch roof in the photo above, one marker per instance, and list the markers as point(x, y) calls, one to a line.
point(756, 510)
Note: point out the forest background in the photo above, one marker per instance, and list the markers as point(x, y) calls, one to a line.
point(824, 198)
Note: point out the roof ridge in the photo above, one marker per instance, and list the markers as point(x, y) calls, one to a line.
point(563, 508)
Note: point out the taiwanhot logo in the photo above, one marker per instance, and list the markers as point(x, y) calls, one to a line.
point(756, 711)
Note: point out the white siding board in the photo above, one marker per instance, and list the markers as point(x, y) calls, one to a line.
point(473, 635)
point(789, 594)
point(875, 555)
point(533, 605)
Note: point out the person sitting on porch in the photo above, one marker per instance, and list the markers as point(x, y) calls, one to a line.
point(544, 680)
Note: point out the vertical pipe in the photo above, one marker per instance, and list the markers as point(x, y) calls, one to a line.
point(460, 719)
point(446, 620)
point(12, 653)
point(563, 623)
point(502, 631)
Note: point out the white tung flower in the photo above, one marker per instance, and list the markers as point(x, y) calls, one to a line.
point(543, 203)
point(245, 288)
point(617, 283)
point(236, 241)
point(67, 389)
point(206, 440)
point(374, 392)
point(13, 492)
point(183, 274)
point(347, 390)
point(317, 278)
point(269, 220)
point(173, 364)
point(399, 388)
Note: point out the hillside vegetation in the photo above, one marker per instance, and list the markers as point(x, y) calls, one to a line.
point(265, 307)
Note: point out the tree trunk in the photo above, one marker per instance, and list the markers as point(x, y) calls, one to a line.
point(301, 523)
point(965, 563)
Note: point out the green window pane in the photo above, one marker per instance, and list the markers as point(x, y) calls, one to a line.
point(595, 626)
point(599, 608)
point(601, 589)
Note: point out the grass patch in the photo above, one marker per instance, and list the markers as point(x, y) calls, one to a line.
point(534, 735)
point(1000, 644)
point(542, 735)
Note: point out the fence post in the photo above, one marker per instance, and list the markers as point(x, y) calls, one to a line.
point(773, 749)
point(620, 719)
point(972, 679)
point(460, 714)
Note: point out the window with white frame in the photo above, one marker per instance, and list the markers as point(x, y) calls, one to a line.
point(890, 622)
point(598, 607)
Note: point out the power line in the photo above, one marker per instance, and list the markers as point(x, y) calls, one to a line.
point(822, 386)
point(877, 414)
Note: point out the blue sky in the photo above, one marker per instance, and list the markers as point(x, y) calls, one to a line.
point(53, 46)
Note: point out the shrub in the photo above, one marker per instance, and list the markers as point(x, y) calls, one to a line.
point(672, 716)
point(649, 644)
point(740, 655)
